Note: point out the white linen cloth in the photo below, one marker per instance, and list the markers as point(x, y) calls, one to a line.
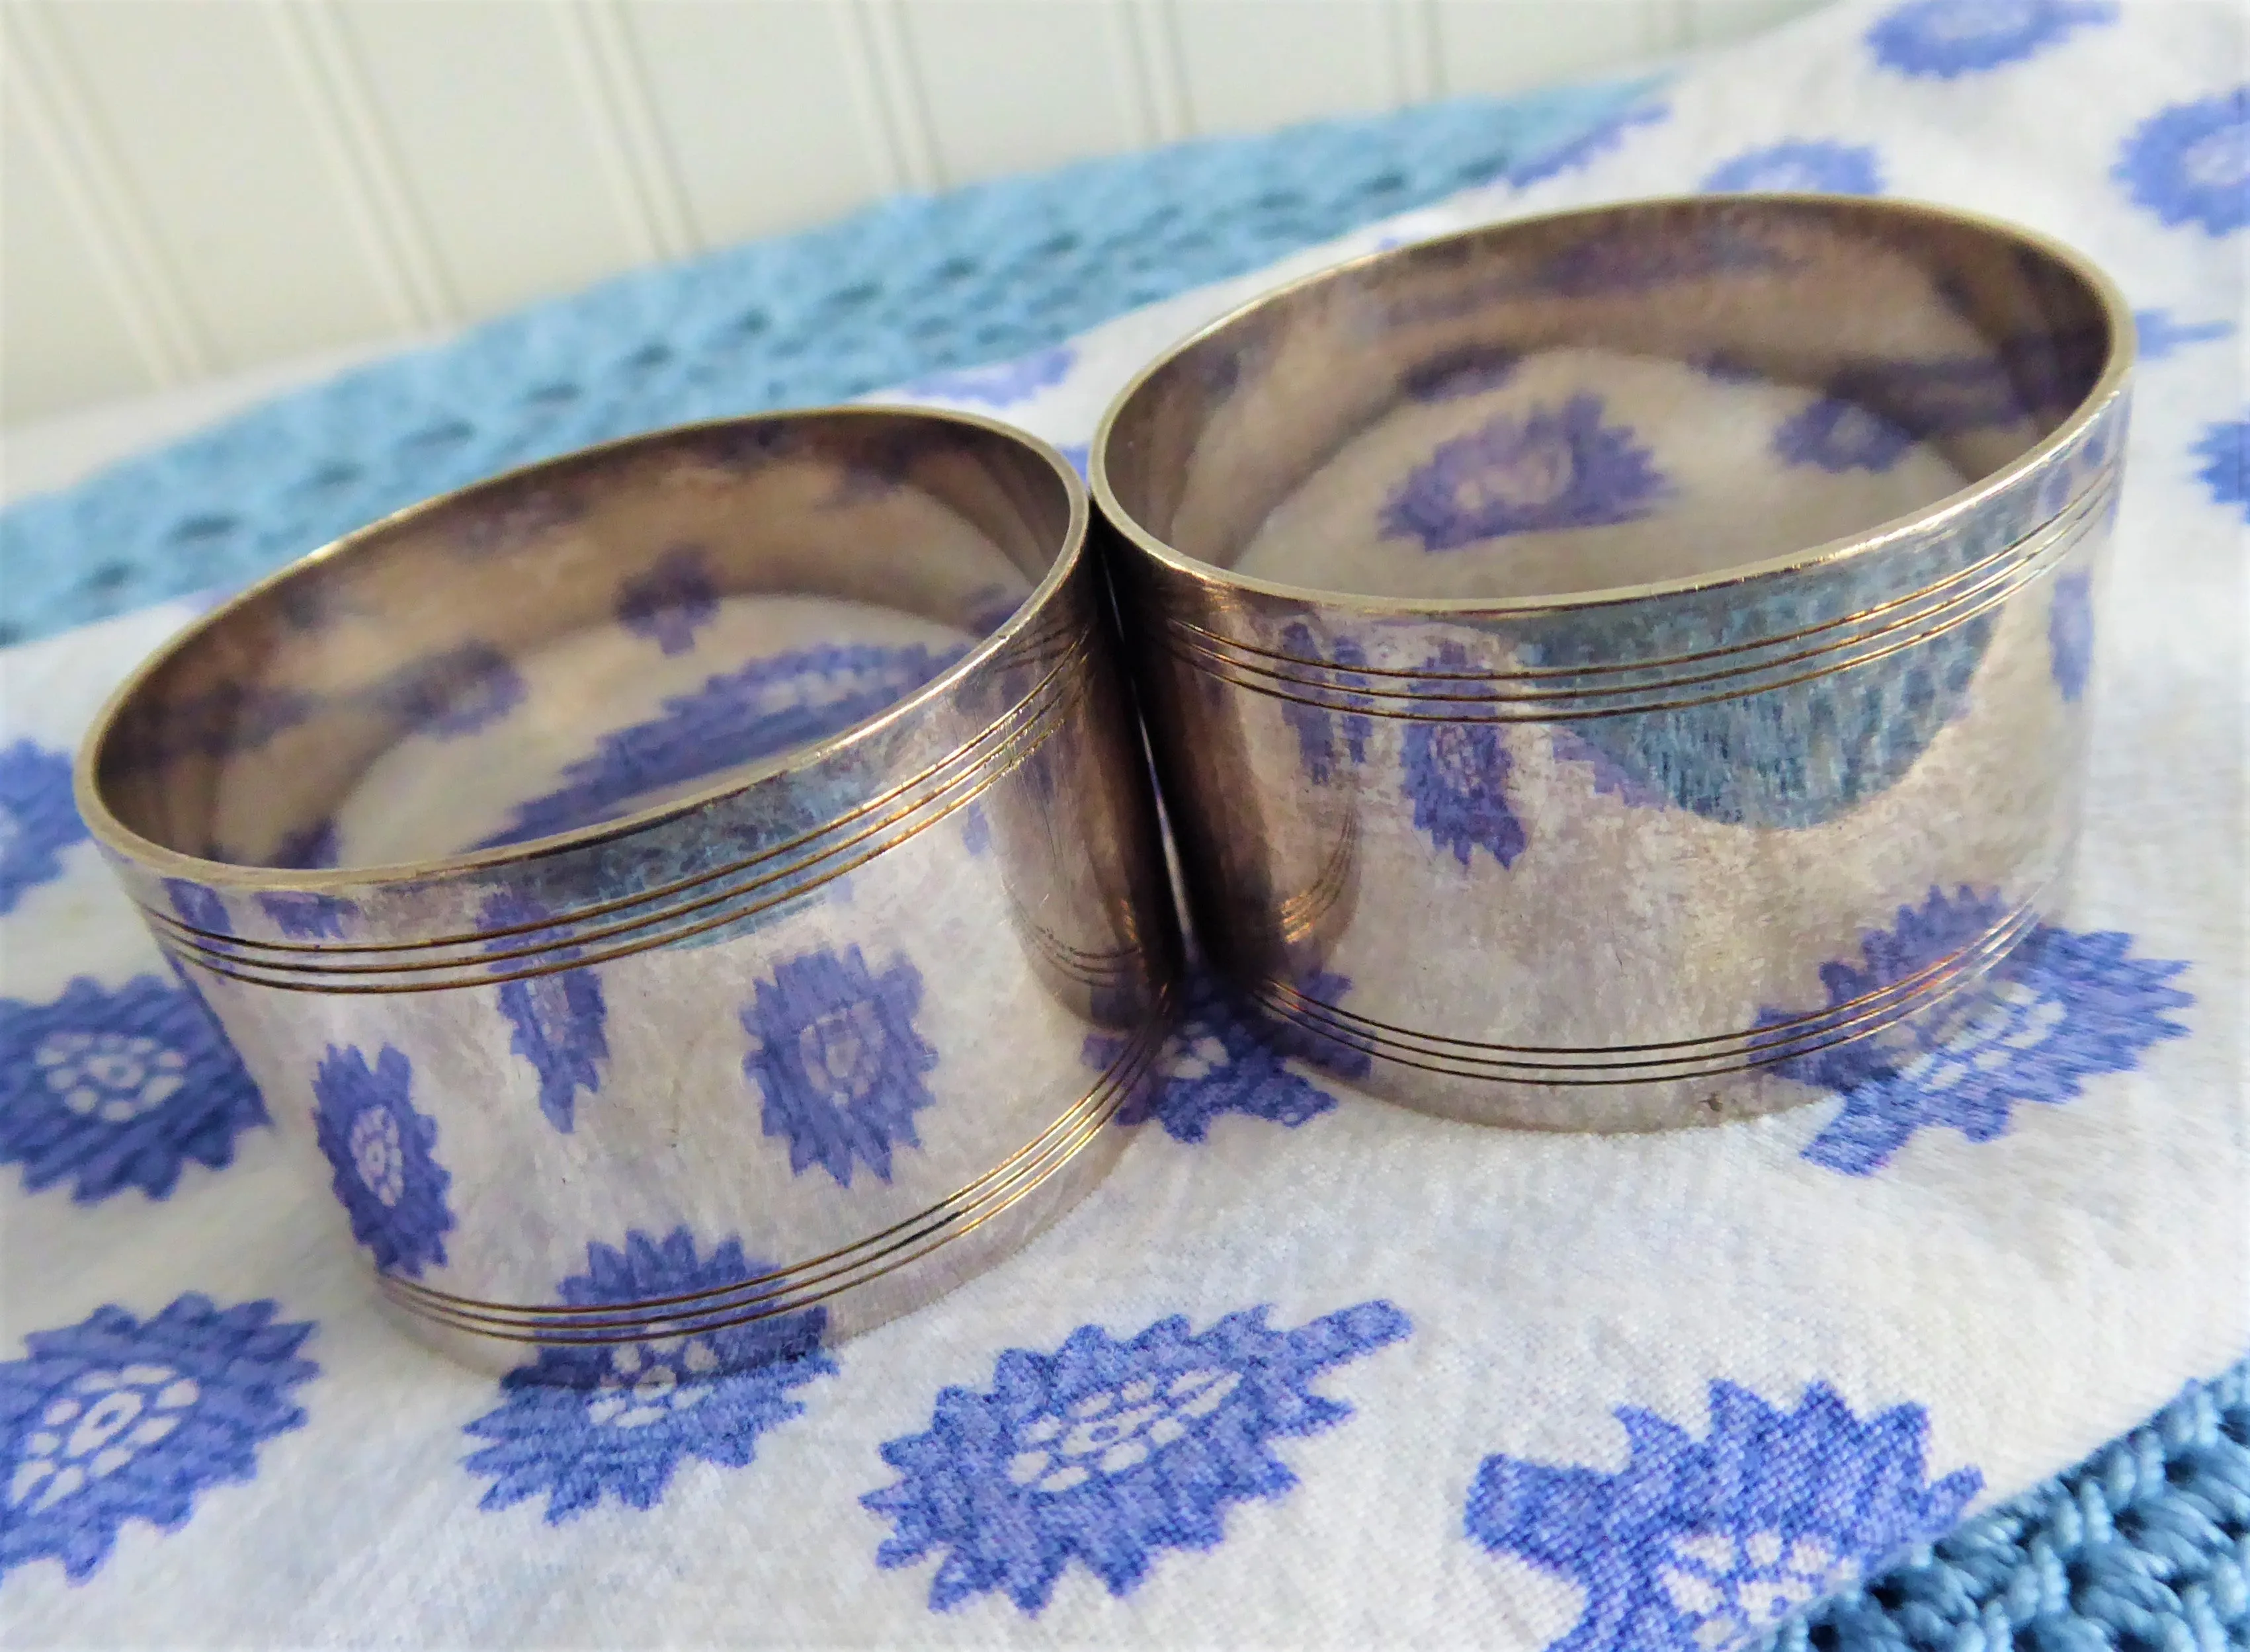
point(1306, 1369)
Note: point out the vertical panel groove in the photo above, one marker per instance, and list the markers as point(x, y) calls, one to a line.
point(334, 84)
point(1412, 34)
point(1157, 30)
point(1127, 52)
point(892, 75)
point(100, 197)
point(612, 60)
point(867, 94)
point(607, 126)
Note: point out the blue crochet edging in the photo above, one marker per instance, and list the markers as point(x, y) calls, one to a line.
point(2146, 1544)
point(905, 288)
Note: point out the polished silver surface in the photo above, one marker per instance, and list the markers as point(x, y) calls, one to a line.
point(1607, 669)
point(690, 898)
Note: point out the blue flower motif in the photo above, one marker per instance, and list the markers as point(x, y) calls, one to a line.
point(1702, 1545)
point(2225, 451)
point(1549, 469)
point(1111, 1451)
point(1943, 39)
point(119, 1089)
point(2190, 163)
point(1316, 727)
point(37, 820)
point(1588, 147)
point(531, 513)
point(1219, 1060)
point(450, 694)
point(2062, 1008)
point(1611, 779)
point(1469, 369)
point(1000, 383)
point(309, 850)
point(112, 1420)
point(1456, 776)
point(2160, 336)
point(2070, 634)
point(199, 906)
point(1818, 166)
point(380, 1150)
point(838, 1061)
point(560, 1017)
point(592, 1418)
point(1622, 259)
point(305, 915)
point(670, 602)
point(1837, 435)
point(225, 721)
point(766, 707)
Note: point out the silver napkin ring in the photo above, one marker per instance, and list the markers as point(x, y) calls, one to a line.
point(1577, 823)
point(706, 887)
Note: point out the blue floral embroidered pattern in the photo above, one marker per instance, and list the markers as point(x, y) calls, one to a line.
point(1552, 468)
point(1943, 39)
point(616, 1419)
point(381, 1152)
point(1219, 1062)
point(452, 693)
point(37, 820)
point(1456, 776)
point(739, 716)
point(1702, 1545)
point(2070, 634)
point(1815, 166)
point(1837, 435)
point(2225, 451)
point(115, 1418)
point(2160, 336)
point(119, 1089)
point(838, 1061)
point(2062, 1008)
point(1002, 384)
point(2190, 163)
point(1108, 1452)
point(670, 602)
point(559, 1017)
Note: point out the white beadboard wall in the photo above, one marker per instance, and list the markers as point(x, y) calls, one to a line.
point(195, 187)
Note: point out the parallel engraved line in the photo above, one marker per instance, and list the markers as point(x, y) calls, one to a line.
point(784, 1290)
point(1329, 1025)
point(1968, 581)
point(1040, 710)
point(473, 972)
point(1471, 710)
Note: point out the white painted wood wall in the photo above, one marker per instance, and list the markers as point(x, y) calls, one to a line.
point(193, 187)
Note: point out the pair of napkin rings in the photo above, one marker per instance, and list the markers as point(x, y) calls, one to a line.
point(755, 1005)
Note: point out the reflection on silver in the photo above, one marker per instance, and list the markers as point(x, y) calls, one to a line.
point(674, 886)
point(1550, 781)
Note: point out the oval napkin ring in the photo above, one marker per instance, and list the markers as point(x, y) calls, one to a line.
point(1577, 823)
point(751, 920)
